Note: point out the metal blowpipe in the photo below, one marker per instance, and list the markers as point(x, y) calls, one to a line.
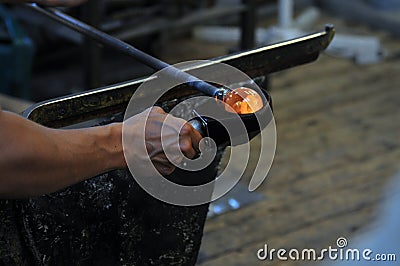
point(128, 49)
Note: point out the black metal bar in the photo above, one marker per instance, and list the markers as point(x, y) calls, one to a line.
point(126, 48)
point(248, 25)
point(91, 51)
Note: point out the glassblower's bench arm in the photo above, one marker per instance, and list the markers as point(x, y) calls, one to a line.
point(109, 100)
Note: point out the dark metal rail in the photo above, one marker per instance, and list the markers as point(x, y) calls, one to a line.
point(109, 100)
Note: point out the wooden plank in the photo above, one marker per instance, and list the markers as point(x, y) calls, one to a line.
point(369, 168)
point(321, 95)
point(321, 149)
point(290, 218)
point(313, 186)
point(308, 237)
point(338, 146)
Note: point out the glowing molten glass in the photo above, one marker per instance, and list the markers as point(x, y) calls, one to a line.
point(243, 101)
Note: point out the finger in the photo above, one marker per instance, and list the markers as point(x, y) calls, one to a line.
point(165, 169)
point(157, 109)
point(175, 155)
point(186, 147)
point(162, 164)
point(194, 135)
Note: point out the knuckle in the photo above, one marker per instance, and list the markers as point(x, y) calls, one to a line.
point(156, 109)
point(185, 145)
point(186, 129)
point(167, 170)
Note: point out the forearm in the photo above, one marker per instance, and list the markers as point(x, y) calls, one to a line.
point(35, 160)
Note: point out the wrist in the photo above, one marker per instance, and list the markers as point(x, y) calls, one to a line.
point(113, 146)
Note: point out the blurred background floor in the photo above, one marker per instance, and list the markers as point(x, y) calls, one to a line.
point(338, 145)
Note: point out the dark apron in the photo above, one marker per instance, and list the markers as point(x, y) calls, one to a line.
point(106, 220)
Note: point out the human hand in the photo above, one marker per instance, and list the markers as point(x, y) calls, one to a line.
point(49, 2)
point(163, 134)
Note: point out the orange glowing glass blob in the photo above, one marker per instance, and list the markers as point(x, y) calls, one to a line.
point(243, 101)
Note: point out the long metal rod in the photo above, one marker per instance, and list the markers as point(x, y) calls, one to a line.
point(126, 48)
